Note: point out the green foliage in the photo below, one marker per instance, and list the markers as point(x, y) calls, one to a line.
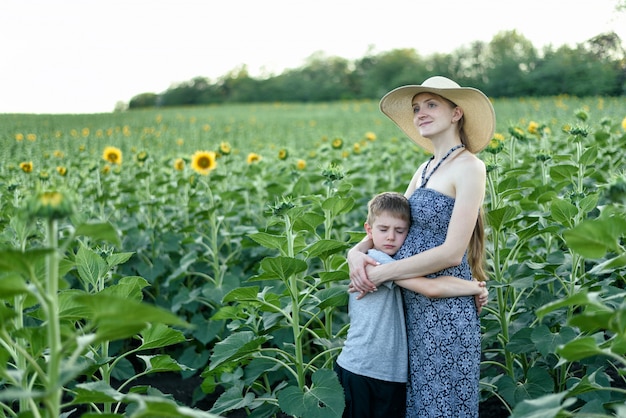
point(288, 325)
point(252, 254)
point(52, 336)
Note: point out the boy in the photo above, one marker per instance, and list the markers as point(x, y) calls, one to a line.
point(373, 364)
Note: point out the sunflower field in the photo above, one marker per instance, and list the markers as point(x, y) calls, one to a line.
point(209, 243)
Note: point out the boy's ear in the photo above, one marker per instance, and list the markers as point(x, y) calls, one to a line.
point(368, 229)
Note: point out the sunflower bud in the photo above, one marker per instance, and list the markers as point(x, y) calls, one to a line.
point(50, 205)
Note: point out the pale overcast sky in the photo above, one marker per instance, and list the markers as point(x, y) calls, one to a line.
point(83, 56)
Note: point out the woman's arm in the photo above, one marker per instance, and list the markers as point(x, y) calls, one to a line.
point(358, 260)
point(448, 287)
point(443, 286)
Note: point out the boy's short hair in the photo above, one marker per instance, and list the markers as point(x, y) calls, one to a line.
point(394, 203)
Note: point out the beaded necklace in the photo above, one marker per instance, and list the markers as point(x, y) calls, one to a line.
point(426, 178)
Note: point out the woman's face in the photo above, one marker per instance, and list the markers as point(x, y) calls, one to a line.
point(432, 114)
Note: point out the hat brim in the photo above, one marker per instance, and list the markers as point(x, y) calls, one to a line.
point(478, 112)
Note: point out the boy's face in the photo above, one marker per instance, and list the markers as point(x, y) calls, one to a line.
point(387, 233)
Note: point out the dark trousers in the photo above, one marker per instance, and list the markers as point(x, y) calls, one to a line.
point(367, 397)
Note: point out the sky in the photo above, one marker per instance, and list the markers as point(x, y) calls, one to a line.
point(84, 56)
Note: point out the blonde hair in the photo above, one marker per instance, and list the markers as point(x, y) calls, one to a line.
point(394, 203)
point(476, 247)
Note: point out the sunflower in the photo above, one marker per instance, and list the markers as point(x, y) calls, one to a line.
point(496, 144)
point(26, 166)
point(50, 204)
point(112, 155)
point(179, 164)
point(225, 148)
point(624, 124)
point(283, 154)
point(62, 170)
point(300, 164)
point(142, 156)
point(253, 158)
point(337, 143)
point(370, 136)
point(203, 162)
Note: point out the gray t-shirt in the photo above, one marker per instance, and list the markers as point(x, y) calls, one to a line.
point(376, 345)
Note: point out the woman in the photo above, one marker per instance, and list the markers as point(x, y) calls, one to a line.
point(446, 238)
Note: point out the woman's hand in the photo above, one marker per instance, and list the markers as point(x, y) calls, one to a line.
point(481, 298)
point(357, 262)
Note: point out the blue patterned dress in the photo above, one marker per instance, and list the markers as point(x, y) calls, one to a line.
point(443, 334)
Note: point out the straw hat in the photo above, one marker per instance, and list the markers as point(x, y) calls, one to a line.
point(480, 118)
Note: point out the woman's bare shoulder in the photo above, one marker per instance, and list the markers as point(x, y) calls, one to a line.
point(467, 161)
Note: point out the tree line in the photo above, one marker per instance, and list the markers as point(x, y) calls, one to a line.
point(507, 66)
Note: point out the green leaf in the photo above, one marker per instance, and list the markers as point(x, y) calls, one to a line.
point(520, 342)
point(580, 348)
point(99, 232)
point(117, 317)
point(589, 156)
point(12, 284)
point(594, 318)
point(547, 406)
point(563, 172)
point(242, 294)
point(161, 407)
point(497, 218)
point(588, 203)
point(91, 267)
point(307, 221)
point(233, 399)
point(236, 346)
point(563, 211)
point(118, 258)
point(273, 242)
point(333, 276)
point(160, 335)
point(95, 392)
point(280, 268)
point(547, 342)
point(338, 205)
point(332, 297)
point(127, 287)
point(586, 384)
point(162, 363)
point(22, 262)
point(609, 265)
point(580, 298)
point(326, 247)
point(593, 238)
point(324, 399)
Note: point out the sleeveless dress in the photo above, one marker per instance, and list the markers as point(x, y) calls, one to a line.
point(443, 334)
